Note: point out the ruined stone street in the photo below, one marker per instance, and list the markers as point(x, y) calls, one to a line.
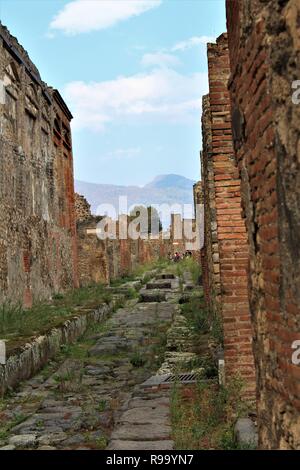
point(149, 226)
point(103, 392)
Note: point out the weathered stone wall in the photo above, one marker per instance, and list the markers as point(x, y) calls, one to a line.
point(184, 235)
point(111, 258)
point(92, 254)
point(37, 223)
point(152, 250)
point(198, 194)
point(264, 45)
point(82, 208)
point(227, 248)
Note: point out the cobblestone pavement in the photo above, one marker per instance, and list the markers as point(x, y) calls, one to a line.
point(95, 396)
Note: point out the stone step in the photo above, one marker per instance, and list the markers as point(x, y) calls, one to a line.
point(189, 287)
point(166, 276)
point(152, 296)
point(161, 284)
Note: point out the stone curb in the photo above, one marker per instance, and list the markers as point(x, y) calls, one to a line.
point(35, 354)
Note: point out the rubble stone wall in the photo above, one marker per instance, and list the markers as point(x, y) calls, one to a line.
point(82, 208)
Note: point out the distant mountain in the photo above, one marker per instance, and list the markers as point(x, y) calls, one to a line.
point(164, 189)
point(170, 181)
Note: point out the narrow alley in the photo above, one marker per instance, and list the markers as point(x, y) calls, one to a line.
point(111, 389)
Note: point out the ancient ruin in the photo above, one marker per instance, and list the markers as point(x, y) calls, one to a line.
point(50, 243)
point(118, 254)
point(37, 231)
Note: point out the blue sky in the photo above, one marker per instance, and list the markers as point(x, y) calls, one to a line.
point(132, 73)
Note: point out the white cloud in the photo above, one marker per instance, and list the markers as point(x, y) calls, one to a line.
point(80, 16)
point(192, 42)
point(161, 94)
point(122, 153)
point(160, 59)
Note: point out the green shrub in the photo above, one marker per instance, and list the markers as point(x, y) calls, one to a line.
point(196, 314)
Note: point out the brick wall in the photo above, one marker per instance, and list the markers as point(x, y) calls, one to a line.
point(226, 240)
point(37, 225)
point(264, 55)
point(210, 252)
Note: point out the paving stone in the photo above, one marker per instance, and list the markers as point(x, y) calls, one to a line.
point(145, 415)
point(141, 445)
point(67, 415)
point(52, 438)
point(100, 349)
point(73, 440)
point(141, 432)
point(92, 370)
point(57, 411)
point(138, 402)
point(23, 440)
point(8, 447)
point(46, 448)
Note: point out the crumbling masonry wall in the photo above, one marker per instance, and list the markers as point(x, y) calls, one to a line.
point(264, 45)
point(37, 223)
point(82, 208)
point(226, 239)
point(111, 258)
point(93, 264)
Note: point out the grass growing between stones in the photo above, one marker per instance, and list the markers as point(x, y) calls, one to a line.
point(77, 350)
point(137, 359)
point(18, 418)
point(122, 280)
point(203, 416)
point(188, 265)
point(202, 320)
point(196, 314)
point(141, 273)
point(16, 321)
